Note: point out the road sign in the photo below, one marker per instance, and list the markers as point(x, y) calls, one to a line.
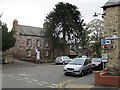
point(104, 42)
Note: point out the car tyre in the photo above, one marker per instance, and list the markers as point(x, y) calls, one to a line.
point(63, 62)
point(82, 73)
point(66, 74)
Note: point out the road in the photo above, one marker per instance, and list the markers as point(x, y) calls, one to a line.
point(29, 75)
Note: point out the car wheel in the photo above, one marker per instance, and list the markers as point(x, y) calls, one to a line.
point(66, 74)
point(82, 73)
point(63, 62)
point(91, 70)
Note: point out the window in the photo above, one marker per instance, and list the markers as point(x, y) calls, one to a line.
point(28, 53)
point(46, 43)
point(29, 42)
point(46, 52)
point(38, 42)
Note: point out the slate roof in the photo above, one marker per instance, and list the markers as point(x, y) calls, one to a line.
point(31, 31)
point(112, 3)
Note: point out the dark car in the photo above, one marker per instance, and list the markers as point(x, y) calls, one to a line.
point(97, 63)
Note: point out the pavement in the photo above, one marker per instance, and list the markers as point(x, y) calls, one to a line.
point(86, 84)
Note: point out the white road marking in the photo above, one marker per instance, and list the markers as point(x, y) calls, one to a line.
point(23, 75)
point(39, 83)
point(34, 80)
point(50, 86)
point(54, 84)
point(9, 75)
point(44, 82)
point(19, 79)
point(25, 78)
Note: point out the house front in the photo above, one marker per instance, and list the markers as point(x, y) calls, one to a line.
point(30, 43)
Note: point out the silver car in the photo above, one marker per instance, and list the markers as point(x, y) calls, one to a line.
point(62, 60)
point(78, 66)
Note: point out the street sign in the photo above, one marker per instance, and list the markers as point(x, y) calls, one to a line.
point(104, 42)
point(104, 57)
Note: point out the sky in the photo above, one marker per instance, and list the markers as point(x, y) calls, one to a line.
point(33, 12)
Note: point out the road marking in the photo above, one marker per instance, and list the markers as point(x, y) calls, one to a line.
point(50, 86)
point(9, 75)
point(19, 79)
point(39, 83)
point(62, 84)
point(34, 80)
point(54, 84)
point(23, 74)
point(44, 82)
point(25, 78)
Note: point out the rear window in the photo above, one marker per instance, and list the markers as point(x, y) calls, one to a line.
point(77, 61)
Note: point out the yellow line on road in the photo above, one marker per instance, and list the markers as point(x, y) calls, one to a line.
point(62, 84)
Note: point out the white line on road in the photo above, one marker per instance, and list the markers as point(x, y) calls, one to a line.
point(39, 83)
point(44, 82)
point(25, 78)
point(23, 75)
point(54, 84)
point(9, 75)
point(19, 79)
point(50, 86)
point(34, 80)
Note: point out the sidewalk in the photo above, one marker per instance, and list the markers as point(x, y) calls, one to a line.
point(88, 83)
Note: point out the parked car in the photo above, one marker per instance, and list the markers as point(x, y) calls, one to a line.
point(81, 56)
point(78, 66)
point(62, 60)
point(97, 63)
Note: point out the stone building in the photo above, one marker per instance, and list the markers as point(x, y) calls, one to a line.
point(29, 41)
point(112, 30)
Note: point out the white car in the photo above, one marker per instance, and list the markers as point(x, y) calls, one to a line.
point(78, 66)
point(62, 60)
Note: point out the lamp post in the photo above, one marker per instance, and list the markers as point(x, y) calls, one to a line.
point(103, 53)
point(97, 14)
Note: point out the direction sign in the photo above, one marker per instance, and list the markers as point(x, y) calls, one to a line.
point(104, 42)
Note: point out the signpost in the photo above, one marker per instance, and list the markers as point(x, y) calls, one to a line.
point(104, 58)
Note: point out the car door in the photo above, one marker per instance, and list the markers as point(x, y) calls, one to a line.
point(85, 65)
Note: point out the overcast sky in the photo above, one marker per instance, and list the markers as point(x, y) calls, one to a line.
point(33, 12)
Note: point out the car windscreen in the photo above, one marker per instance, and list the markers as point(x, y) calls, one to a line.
point(96, 60)
point(77, 61)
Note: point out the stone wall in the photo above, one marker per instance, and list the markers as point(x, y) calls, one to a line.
point(112, 27)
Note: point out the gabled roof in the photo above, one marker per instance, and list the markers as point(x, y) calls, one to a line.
point(29, 30)
point(112, 3)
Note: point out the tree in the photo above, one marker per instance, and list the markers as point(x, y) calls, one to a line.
point(96, 33)
point(8, 39)
point(63, 25)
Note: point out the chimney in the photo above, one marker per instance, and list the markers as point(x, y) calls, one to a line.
point(15, 24)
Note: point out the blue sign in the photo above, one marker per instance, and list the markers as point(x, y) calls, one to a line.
point(104, 42)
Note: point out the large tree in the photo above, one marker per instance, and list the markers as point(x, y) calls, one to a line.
point(8, 39)
point(63, 24)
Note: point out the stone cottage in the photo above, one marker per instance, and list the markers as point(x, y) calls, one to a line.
point(29, 41)
point(112, 29)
